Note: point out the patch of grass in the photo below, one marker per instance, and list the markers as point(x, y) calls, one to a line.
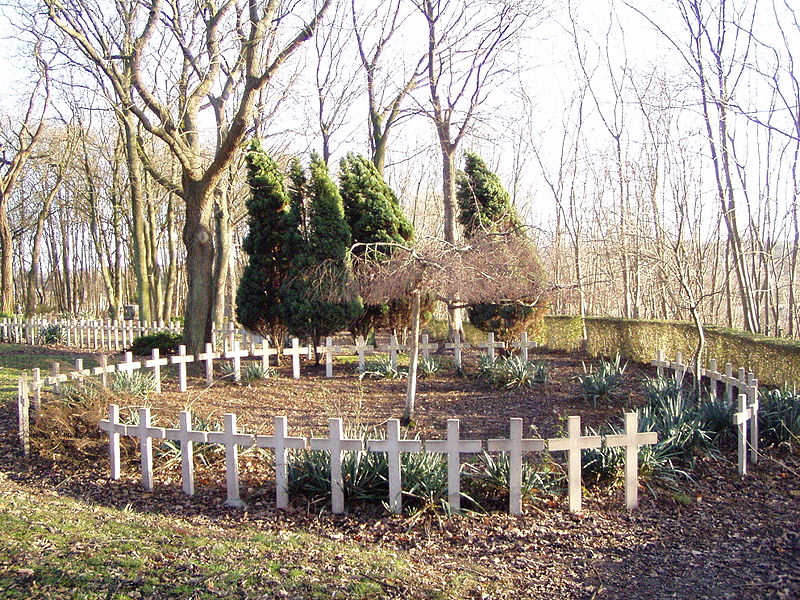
point(57, 547)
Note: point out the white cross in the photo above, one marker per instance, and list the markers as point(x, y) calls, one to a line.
point(36, 386)
point(295, 351)
point(187, 437)
point(77, 373)
point(631, 440)
point(129, 365)
point(679, 367)
point(515, 446)
point(264, 352)
point(146, 433)
point(181, 361)
point(457, 345)
point(660, 363)
point(393, 446)
point(208, 356)
point(280, 443)
point(361, 348)
point(453, 447)
point(426, 347)
point(336, 444)
point(740, 419)
point(236, 355)
point(489, 345)
point(114, 428)
point(729, 383)
point(155, 363)
point(23, 415)
point(232, 440)
point(523, 345)
point(329, 349)
point(714, 375)
point(573, 444)
point(393, 348)
point(752, 406)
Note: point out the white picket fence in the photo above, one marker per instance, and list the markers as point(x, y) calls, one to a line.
point(95, 334)
point(746, 386)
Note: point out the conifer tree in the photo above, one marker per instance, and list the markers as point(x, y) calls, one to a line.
point(374, 216)
point(324, 246)
point(485, 206)
point(258, 298)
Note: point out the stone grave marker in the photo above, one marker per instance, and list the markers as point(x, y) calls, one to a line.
point(631, 440)
point(231, 440)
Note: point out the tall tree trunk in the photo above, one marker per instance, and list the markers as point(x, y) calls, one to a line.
point(222, 255)
point(137, 210)
point(6, 261)
point(172, 268)
point(198, 237)
point(35, 272)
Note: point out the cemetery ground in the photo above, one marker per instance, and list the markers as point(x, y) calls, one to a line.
point(66, 530)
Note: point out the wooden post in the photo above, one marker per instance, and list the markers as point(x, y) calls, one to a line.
point(453, 447)
point(515, 446)
point(336, 444)
point(393, 446)
point(573, 444)
point(631, 440)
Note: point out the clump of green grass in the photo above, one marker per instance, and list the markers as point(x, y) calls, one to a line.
point(603, 382)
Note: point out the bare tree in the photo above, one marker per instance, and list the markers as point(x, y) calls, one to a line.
point(224, 54)
point(491, 268)
point(19, 139)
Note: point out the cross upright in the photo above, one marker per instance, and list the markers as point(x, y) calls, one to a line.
point(660, 363)
point(573, 444)
point(36, 388)
point(393, 348)
point(114, 429)
point(231, 440)
point(453, 447)
point(208, 357)
point(129, 365)
point(489, 345)
point(515, 446)
point(361, 348)
point(187, 437)
point(523, 345)
point(146, 434)
point(393, 446)
point(264, 352)
point(713, 375)
point(181, 359)
point(680, 368)
point(236, 354)
point(457, 345)
point(77, 373)
point(740, 419)
point(103, 369)
point(752, 406)
point(426, 347)
point(336, 444)
point(280, 442)
point(631, 440)
point(155, 363)
point(329, 349)
point(295, 351)
point(729, 383)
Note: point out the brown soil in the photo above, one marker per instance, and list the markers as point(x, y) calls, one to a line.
point(721, 537)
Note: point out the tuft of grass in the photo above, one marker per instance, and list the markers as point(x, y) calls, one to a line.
point(383, 369)
point(137, 384)
point(602, 383)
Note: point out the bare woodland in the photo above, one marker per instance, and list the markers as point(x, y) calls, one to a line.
point(658, 180)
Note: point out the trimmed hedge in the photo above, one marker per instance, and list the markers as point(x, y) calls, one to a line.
point(774, 361)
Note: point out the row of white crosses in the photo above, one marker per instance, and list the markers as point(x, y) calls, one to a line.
point(747, 404)
point(336, 443)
